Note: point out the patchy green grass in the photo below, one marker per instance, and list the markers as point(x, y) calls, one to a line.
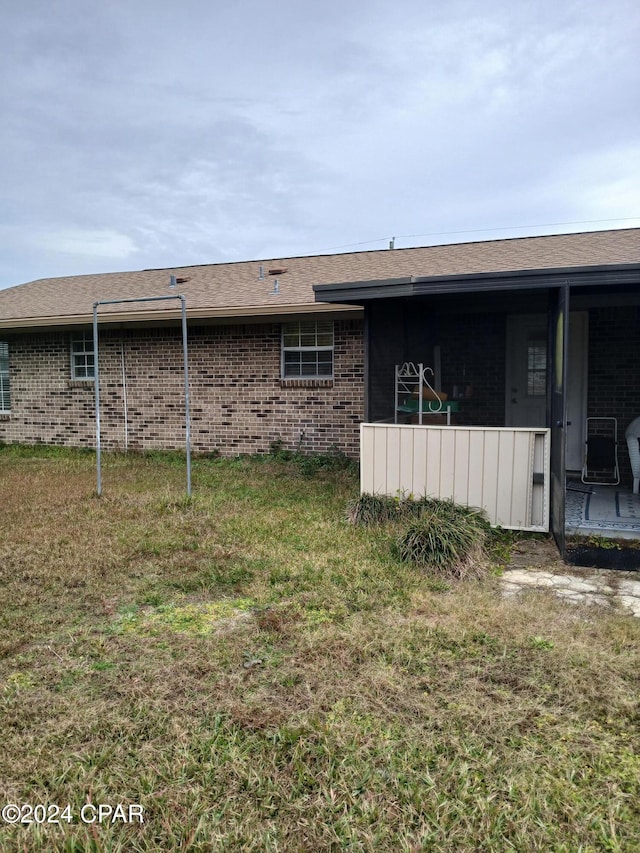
point(260, 675)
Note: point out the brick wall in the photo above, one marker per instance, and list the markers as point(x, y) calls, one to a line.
point(239, 404)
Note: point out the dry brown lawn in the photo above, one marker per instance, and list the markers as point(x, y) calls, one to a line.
point(259, 675)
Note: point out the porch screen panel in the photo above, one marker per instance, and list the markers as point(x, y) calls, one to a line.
point(396, 331)
point(385, 346)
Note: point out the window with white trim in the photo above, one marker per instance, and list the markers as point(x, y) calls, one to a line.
point(5, 391)
point(307, 350)
point(82, 358)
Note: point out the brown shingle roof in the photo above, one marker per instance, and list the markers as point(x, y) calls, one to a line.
point(236, 290)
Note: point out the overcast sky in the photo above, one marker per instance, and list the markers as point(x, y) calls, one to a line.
point(149, 133)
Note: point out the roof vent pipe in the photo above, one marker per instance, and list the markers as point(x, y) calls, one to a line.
point(172, 281)
point(392, 243)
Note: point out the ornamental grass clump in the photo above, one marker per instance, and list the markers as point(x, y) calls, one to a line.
point(369, 510)
point(446, 538)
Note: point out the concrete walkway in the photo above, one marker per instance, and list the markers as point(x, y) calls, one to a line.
point(535, 565)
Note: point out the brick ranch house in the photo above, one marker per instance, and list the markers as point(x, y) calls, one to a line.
point(302, 350)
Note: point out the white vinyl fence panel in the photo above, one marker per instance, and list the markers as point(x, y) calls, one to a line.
point(504, 471)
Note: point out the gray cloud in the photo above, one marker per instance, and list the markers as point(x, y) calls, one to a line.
point(155, 134)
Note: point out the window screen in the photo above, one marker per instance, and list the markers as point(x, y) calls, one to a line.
point(82, 358)
point(307, 349)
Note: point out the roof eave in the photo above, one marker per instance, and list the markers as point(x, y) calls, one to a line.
point(162, 316)
point(363, 291)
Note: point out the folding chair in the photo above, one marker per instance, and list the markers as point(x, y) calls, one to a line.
point(601, 452)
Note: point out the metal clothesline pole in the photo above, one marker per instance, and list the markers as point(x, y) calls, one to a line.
point(97, 378)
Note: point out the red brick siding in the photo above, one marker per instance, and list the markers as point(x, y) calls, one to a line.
point(239, 404)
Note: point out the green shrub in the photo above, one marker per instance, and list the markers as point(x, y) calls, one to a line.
point(368, 510)
point(278, 451)
point(440, 534)
point(311, 463)
point(335, 460)
point(447, 538)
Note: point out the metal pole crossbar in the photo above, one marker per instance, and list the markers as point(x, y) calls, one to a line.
point(186, 377)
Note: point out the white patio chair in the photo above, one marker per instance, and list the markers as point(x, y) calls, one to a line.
point(632, 434)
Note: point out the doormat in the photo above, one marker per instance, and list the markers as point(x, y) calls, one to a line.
point(592, 557)
point(612, 506)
